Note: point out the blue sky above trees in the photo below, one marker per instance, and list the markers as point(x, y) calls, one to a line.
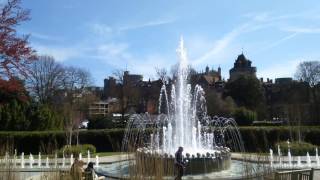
point(102, 36)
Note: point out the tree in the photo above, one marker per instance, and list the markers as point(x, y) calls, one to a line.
point(247, 91)
point(45, 78)
point(75, 82)
point(14, 105)
point(309, 71)
point(118, 75)
point(162, 74)
point(244, 117)
point(15, 52)
point(45, 118)
point(123, 90)
point(216, 105)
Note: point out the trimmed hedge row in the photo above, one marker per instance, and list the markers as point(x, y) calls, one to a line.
point(49, 141)
point(256, 139)
point(296, 148)
point(261, 139)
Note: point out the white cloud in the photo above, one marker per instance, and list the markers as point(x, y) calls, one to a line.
point(219, 46)
point(101, 29)
point(45, 37)
point(301, 30)
point(276, 43)
point(59, 53)
point(147, 24)
point(112, 49)
point(107, 31)
point(285, 69)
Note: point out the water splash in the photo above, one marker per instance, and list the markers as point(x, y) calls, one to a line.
point(182, 120)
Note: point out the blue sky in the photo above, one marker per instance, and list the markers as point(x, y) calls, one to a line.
point(104, 35)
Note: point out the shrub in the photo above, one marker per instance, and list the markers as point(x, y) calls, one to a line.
point(244, 116)
point(267, 123)
point(76, 150)
point(296, 148)
point(100, 122)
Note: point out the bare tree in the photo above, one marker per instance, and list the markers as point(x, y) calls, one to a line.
point(75, 83)
point(309, 71)
point(45, 78)
point(118, 74)
point(175, 70)
point(16, 54)
point(162, 74)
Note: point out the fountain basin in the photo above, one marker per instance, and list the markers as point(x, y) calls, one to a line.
point(195, 164)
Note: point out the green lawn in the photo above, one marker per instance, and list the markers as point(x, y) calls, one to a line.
point(100, 154)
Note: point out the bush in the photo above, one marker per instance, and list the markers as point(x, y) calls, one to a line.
point(107, 122)
point(296, 148)
point(244, 116)
point(267, 123)
point(76, 150)
point(100, 122)
point(48, 141)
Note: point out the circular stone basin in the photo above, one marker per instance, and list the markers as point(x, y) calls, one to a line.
point(119, 170)
point(195, 164)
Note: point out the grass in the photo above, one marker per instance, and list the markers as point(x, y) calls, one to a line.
point(102, 154)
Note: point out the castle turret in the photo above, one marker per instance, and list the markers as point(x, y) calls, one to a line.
point(242, 66)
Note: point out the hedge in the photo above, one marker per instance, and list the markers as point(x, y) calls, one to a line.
point(256, 139)
point(296, 148)
point(49, 141)
point(261, 139)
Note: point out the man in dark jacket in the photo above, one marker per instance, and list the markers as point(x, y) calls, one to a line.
point(179, 164)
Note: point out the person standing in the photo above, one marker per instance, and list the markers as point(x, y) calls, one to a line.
point(90, 174)
point(179, 164)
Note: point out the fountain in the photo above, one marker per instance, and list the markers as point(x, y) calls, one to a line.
point(183, 121)
point(289, 154)
point(299, 161)
point(31, 160)
point(88, 157)
point(55, 160)
point(97, 161)
point(271, 157)
point(308, 160)
point(15, 158)
point(317, 158)
point(47, 162)
point(63, 161)
point(22, 160)
point(71, 159)
point(80, 156)
point(279, 155)
point(39, 160)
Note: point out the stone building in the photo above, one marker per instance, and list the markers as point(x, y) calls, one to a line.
point(209, 79)
point(242, 66)
point(104, 107)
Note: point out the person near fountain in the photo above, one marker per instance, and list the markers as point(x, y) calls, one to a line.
point(77, 169)
point(90, 174)
point(179, 164)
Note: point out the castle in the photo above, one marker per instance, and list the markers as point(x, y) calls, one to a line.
point(242, 66)
point(131, 94)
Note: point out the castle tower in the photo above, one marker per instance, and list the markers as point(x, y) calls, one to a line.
point(242, 66)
